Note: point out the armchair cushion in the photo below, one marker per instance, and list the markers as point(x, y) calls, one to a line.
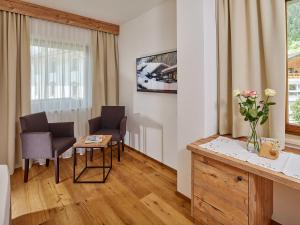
point(36, 122)
point(62, 129)
point(36, 145)
point(61, 144)
point(114, 132)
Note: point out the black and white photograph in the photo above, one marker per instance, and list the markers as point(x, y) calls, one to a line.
point(157, 73)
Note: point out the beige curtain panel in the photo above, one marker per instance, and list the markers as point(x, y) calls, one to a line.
point(14, 84)
point(251, 55)
point(105, 70)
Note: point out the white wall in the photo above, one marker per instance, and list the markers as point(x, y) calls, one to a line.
point(152, 117)
point(197, 80)
point(286, 204)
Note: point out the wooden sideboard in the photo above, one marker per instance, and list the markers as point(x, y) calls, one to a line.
point(229, 191)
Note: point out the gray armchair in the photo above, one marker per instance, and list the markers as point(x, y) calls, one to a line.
point(111, 122)
point(43, 140)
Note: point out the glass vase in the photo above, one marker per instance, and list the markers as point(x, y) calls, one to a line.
point(253, 143)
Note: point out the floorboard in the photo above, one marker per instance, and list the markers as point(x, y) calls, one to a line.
point(138, 191)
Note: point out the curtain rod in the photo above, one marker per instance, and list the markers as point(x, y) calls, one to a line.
point(54, 15)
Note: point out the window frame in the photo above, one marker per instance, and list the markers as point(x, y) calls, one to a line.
point(289, 128)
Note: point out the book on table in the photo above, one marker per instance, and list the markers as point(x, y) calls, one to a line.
point(93, 139)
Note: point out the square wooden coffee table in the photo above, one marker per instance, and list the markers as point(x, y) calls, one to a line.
point(106, 142)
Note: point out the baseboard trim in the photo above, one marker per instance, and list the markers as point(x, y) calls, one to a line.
point(183, 196)
point(154, 160)
point(274, 223)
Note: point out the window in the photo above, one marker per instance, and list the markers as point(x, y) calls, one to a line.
point(60, 67)
point(293, 66)
point(292, 87)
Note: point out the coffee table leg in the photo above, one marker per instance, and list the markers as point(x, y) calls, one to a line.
point(86, 152)
point(111, 153)
point(103, 164)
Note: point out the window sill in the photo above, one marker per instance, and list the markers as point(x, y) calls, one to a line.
point(292, 141)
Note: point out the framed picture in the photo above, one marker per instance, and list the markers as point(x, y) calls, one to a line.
point(157, 73)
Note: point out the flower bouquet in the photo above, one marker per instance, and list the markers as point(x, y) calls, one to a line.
point(255, 112)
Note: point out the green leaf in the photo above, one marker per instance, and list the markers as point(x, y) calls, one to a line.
point(264, 119)
point(253, 113)
point(243, 111)
point(260, 113)
point(266, 109)
point(249, 102)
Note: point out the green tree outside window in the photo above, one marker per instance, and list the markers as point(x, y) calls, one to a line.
point(295, 107)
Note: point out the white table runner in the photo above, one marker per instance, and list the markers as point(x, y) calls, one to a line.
point(287, 163)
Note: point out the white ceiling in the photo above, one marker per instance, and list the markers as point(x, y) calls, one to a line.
point(114, 11)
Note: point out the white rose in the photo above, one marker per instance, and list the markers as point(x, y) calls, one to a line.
point(270, 92)
point(236, 93)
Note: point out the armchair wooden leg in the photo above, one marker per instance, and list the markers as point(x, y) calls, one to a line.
point(74, 155)
point(91, 154)
point(56, 165)
point(119, 151)
point(26, 171)
point(47, 162)
point(123, 144)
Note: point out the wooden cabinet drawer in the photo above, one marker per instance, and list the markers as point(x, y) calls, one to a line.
point(220, 192)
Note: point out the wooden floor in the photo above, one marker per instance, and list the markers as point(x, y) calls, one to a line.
point(137, 191)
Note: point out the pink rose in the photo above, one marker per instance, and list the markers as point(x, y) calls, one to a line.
point(249, 93)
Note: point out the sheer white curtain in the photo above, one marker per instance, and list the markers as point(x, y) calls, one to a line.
point(61, 76)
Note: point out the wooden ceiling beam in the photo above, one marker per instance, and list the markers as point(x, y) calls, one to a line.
point(54, 15)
